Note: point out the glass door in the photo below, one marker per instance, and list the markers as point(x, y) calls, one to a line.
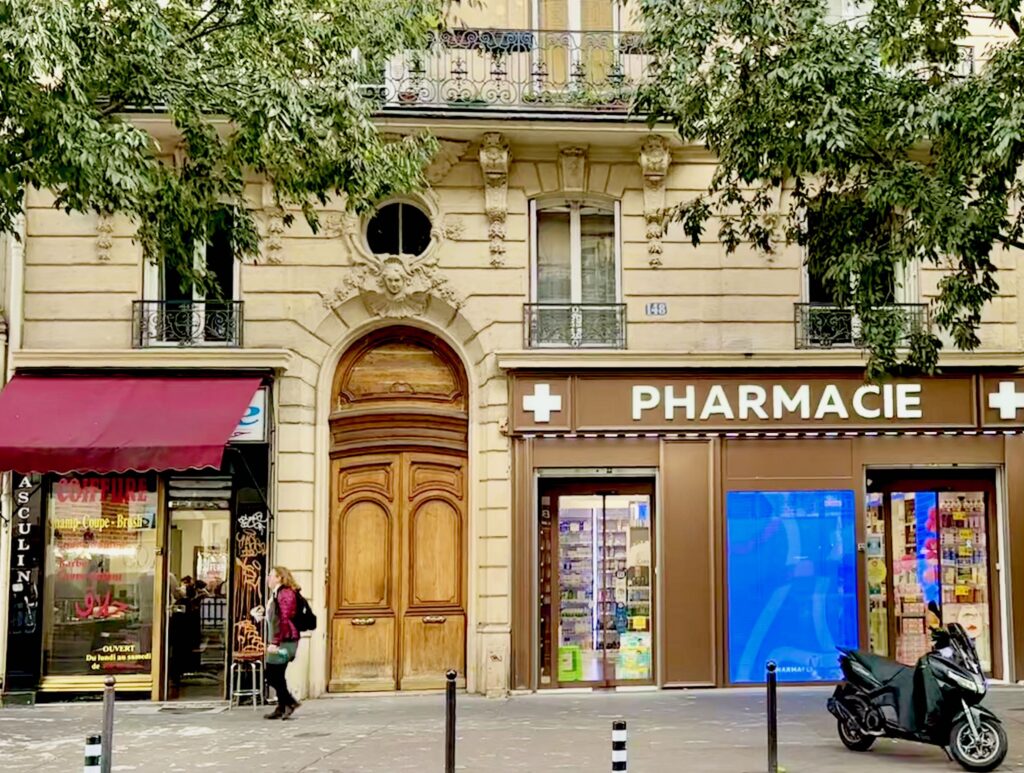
point(197, 588)
point(596, 588)
point(927, 564)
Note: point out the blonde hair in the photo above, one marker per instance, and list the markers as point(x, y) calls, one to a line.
point(286, 577)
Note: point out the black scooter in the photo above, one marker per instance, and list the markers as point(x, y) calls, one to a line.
point(935, 702)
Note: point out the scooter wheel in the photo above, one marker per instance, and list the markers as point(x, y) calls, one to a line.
point(853, 739)
point(981, 754)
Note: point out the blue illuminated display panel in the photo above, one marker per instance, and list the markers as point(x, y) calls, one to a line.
point(792, 577)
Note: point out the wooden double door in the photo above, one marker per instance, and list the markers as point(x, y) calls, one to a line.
point(397, 579)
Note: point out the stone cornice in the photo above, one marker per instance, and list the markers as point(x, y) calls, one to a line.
point(279, 360)
point(663, 360)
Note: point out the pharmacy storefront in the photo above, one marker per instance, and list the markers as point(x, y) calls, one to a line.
point(139, 531)
point(682, 528)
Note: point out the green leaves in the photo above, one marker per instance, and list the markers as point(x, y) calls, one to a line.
point(252, 87)
point(885, 149)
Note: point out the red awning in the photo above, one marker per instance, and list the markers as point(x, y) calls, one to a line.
point(118, 423)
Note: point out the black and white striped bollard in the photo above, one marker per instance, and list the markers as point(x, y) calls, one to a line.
point(93, 754)
point(618, 745)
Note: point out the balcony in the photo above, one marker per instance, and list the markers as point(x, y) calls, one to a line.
point(575, 325)
point(186, 323)
point(466, 70)
point(825, 326)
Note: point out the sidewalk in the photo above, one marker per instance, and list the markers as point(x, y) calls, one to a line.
point(714, 731)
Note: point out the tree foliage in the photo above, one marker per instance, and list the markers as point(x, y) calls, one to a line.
point(872, 129)
point(265, 87)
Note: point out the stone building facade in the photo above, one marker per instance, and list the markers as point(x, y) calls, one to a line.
point(471, 364)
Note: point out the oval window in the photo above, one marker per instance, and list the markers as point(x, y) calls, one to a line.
point(398, 229)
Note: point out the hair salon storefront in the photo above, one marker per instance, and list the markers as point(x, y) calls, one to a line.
point(139, 530)
point(682, 528)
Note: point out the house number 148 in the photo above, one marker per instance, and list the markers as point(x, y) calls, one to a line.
point(657, 309)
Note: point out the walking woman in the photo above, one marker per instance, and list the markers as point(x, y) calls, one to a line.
point(283, 637)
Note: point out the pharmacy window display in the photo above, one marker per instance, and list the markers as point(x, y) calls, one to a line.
point(595, 578)
point(928, 561)
point(792, 583)
point(101, 554)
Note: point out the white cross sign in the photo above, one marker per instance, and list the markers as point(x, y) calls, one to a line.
point(542, 403)
point(1007, 400)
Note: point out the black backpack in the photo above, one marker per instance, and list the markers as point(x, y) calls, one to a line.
point(304, 619)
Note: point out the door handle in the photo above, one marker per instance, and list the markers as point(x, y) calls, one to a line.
point(364, 620)
point(434, 619)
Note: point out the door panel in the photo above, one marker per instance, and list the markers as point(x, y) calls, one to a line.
point(433, 623)
point(363, 653)
point(435, 567)
point(364, 554)
point(366, 528)
point(431, 645)
point(398, 523)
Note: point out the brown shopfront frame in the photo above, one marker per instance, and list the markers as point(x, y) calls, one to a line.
point(695, 472)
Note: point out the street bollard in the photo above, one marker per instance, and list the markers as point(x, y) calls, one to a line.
point(449, 723)
point(93, 753)
point(618, 745)
point(773, 720)
point(108, 725)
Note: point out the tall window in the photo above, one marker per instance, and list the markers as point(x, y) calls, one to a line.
point(178, 311)
point(823, 324)
point(577, 253)
point(576, 273)
point(577, 44)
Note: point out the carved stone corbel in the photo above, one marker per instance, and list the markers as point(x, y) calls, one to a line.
point(572, 162)
point(495, 161)
point(104, 237)
point(655, 158)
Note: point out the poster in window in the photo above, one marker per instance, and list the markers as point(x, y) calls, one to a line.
point(101, 570)
point(792, 583)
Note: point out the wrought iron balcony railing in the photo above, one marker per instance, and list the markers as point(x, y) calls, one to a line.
point(544, 70)
point(575, 325)
point(186, 323)
point(825, 326)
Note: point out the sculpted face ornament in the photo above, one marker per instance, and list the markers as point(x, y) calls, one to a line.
point(393, 277)
point(394, 286)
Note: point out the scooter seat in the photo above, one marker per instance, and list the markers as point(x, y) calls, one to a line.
point(885, 670)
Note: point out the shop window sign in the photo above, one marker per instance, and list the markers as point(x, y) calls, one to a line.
point(101, 569)
point(792, 583)
point(24, 626)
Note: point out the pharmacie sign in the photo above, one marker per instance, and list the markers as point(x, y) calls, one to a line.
point(702, 402)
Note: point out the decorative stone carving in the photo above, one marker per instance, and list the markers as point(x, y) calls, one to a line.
point(655, 158)
point(394, 285)
point(273, 242)
point(104, 237)
point(454, 227)
point(448, 155)
point(572, 162)
point(338, 224)
point(495, 160)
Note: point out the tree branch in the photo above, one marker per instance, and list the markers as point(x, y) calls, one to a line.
point(1010, 242)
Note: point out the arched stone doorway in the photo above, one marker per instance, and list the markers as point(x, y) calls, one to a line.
point(398, 533)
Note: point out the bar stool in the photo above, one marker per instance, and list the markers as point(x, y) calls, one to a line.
point(254, 667)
